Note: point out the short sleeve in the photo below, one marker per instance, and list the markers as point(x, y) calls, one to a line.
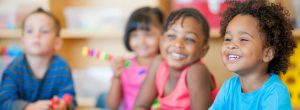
point(277, 99)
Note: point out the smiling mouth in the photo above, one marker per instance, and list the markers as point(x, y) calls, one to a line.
point(233, 57)
point(178, 56)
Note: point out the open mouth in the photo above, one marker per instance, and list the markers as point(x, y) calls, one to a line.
point(177, 56)
point(233, 57)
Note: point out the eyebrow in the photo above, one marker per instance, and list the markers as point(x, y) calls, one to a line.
point(189, 32)
point(240, 32)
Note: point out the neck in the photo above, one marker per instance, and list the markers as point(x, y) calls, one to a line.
point(144, 61)
point(253, 81)
point(38, 64)
point(174, 74)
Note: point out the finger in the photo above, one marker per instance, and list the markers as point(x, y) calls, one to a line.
point(44, 107)
point(60, 105)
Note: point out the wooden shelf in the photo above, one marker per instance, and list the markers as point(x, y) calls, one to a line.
point(69, 34)
point(79, 33)
point(86, 34)
point(10, 33)
point(214, 33)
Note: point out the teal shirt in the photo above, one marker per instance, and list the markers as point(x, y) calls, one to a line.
point(273, 95)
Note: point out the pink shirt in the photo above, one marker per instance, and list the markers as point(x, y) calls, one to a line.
point(179, 99)
point(131, 79)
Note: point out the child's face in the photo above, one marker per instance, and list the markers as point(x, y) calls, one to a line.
point(243, 49)
point(145, 43)
point(183, 43)
point(39, 35)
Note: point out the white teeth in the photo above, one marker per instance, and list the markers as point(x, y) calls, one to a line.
point(233, 57)
point(177, 55)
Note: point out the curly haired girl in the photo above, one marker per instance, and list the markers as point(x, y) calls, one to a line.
point(257, 44)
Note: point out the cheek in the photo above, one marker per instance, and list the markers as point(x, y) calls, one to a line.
point(153, 42)
point(132, 43)
point(163, 47)
point(223, 49)
point(193, 50)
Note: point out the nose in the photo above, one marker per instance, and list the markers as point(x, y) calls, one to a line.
point(36, 34)
point(232, 45)
point(179, 42)
point(143, 39)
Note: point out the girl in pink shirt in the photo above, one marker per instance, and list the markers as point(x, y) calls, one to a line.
point(180, 80)
point(142, 37)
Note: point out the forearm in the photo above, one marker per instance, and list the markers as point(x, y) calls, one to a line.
point(139, 107)
point(115, 94)
point(14, 104)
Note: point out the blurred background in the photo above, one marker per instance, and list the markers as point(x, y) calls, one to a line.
point(100, 24)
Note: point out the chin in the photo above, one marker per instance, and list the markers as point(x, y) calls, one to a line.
point(232, 69)
point(174, 66)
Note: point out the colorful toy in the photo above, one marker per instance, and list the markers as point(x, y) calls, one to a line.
point(292, 77)
point(155, 104)
point(102, 56)
point(67, 98)
point(11, 51)
point(7, 54)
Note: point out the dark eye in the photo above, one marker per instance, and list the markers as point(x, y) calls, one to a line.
point(171, 36)
point(227, 39)
point(148, 34)
point(244, 40)
point(45, 31)
point(28, 31)
point(190, 40)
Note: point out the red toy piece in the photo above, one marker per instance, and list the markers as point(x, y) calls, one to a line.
point(67, 98)
point(54, 101)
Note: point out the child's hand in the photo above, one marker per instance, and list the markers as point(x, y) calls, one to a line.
point(60, 105)
point(39, 105)
point(117, 66)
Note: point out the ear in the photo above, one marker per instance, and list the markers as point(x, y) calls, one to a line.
point(58, 43)
point(268, 54)
point(204, 50)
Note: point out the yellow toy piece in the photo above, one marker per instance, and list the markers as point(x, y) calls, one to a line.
point(292, 77)
point(85, 51)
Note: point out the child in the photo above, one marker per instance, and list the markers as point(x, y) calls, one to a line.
point(39, 75)
point(142, 37)
point(181, 81)
point(257, 44)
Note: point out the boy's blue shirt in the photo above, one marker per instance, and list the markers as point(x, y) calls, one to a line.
point(273, 95)
point(20, 87)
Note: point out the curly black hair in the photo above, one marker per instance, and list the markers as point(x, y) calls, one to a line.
point(141, 19)
point(273, 23)
point(54, 18)
point(188, 12)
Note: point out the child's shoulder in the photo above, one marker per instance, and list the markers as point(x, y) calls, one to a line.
point(198, 71)
point(17, 62)
point(232, 82)
point(275, 85)
point(198, 68)
point(59, 61)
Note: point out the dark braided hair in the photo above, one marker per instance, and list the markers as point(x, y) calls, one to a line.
point(188, 12)
point(273, 22)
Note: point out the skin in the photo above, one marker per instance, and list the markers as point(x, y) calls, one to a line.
point(145, 46)
point(244, 39)
point(39, 42)
point(181, 45)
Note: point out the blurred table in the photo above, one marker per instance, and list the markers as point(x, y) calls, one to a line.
point(87, 108)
